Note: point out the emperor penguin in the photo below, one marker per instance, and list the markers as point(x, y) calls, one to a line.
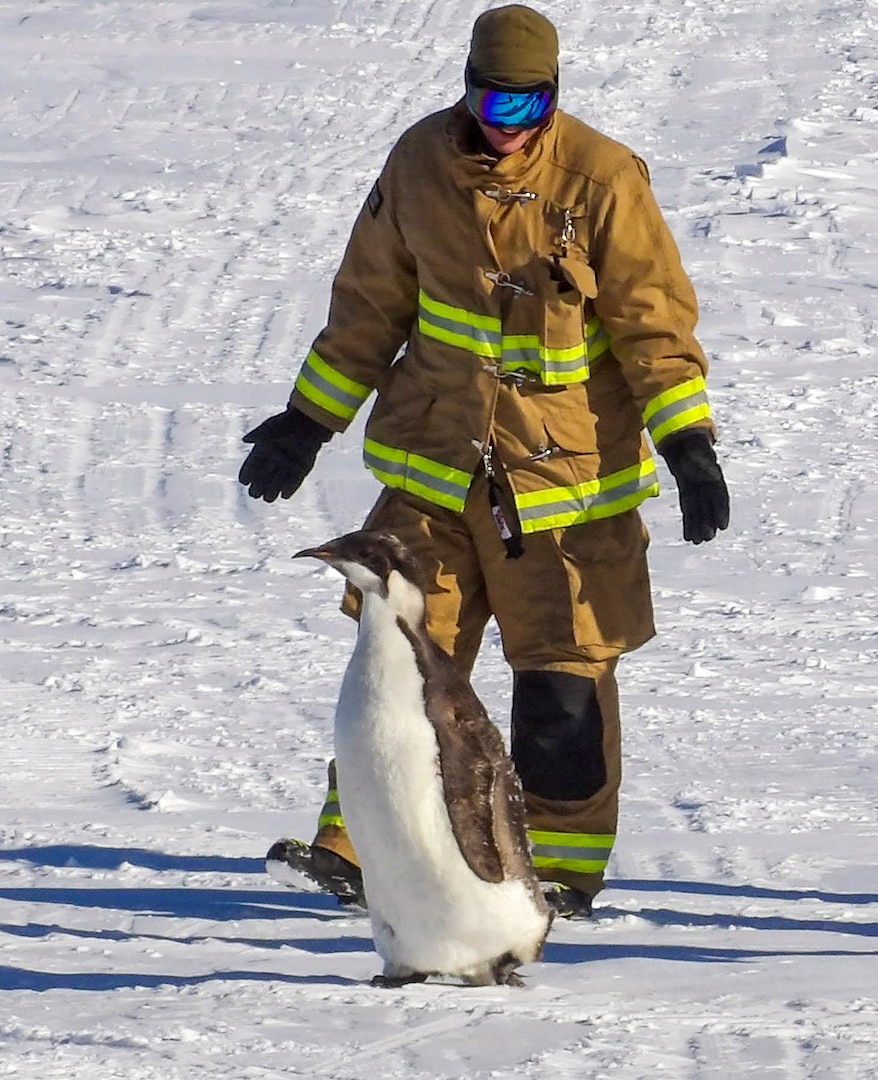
point(430, 797)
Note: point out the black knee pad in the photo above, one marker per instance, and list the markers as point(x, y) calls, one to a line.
point(557, 735)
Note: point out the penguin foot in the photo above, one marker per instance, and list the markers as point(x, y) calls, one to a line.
point(391, 982)
point(331, 872)
point(503, 971)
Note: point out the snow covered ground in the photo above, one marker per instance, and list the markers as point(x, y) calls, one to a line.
point(177, 181)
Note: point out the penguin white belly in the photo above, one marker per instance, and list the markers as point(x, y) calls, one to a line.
point(430, 912)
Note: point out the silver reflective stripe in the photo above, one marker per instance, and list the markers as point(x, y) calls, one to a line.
point(407, 471)
point(598, 337)
point(331, 813)
point(564, 851)
point(350, 402)
point(668, 412)
point(477, 335)
point(483, 335)
point(578, 363)
point(536, 357)
point(589, 503)
point(520, 355)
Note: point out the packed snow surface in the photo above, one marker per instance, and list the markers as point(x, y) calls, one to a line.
point(177, 182)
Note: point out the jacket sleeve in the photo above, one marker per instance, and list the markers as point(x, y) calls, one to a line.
point(373, 306)
point(647, 306)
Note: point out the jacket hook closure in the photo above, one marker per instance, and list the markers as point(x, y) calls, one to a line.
point(518, 377)
point(504, 195)
point(503, 281)
point(568, 233)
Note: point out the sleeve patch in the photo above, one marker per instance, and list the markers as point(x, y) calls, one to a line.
point(374, 200)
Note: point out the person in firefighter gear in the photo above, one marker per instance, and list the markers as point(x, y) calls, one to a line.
point(512, 295)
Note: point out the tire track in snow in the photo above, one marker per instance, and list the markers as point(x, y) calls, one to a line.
point(341, 1064)
point(696, 1041)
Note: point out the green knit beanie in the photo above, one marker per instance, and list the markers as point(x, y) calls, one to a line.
point(513, 46)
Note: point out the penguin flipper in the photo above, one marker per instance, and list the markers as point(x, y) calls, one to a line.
point(510, 823)
point(483, 795)
point(481, 787)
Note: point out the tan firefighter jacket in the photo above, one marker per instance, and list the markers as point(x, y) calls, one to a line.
point(534, 303)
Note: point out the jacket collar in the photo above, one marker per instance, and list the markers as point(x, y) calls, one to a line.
point(473, 163)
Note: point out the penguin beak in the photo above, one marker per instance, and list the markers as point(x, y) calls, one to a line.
point(323, 553)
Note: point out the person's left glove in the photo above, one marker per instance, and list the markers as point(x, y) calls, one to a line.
point(704, 497)
point(285, 448)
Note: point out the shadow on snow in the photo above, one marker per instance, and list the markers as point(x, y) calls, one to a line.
point(232, 904)
point(566, 953)
point(317, 946)
point(751, 892)
point(91, 857)
point(216, 905)
point(22, 979)
point(719, 921)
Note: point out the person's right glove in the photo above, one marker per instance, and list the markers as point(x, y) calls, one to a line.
point(285, 448)
point(704, 497)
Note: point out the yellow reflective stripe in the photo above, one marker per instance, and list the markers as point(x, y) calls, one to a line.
point(470, 318)
point(677, 408)
point(331, 812)
point(571, 840)
point(556, 365)
point(582, 866)
point(479, 334)
point(328, 388)
point(530, 343)
point(482, 335)
point(585, 852)
point(438, 483)
point(559, 366)
point(558, 507)
point(597, 337)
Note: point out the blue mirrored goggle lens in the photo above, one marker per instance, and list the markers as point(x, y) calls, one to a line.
point(501, 108)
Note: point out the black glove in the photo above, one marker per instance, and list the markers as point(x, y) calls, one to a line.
point(284, 451)
point(704, 497)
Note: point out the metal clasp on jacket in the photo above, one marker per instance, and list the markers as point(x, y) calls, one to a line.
point(499, 372)
point(502, 280)
point(568, 233)
point(503, 195)
point(487, 452)
point(544, 452)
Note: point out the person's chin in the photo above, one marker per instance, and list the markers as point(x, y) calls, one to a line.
point(507, 142)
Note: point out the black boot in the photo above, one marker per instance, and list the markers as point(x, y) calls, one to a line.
point(567, 902)
point(330, 871)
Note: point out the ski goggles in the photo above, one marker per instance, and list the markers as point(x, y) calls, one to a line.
point(509, 108)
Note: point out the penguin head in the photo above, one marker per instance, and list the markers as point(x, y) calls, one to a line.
point(378, 564)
